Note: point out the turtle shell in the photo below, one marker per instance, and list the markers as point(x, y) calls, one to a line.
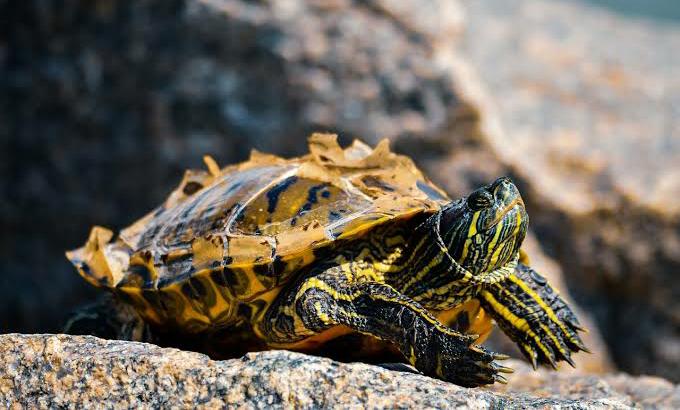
point(230, 234)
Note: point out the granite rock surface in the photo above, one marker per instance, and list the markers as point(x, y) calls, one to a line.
point(84, 371)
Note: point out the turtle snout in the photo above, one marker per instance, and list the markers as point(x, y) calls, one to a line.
point(505, 193)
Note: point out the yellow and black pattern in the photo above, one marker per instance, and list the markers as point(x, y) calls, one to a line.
point(325, 300)
point(295, 252)
point(497, 226)
point(533, 315)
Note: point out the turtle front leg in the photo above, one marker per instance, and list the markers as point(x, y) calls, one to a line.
point(534, 316)
point(323, 302)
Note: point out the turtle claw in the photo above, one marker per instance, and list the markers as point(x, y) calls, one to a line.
point(549, 357)
point(581, 346)
point(533, 359)
point(502, 369)
point(478, 349)
point(578, 344)
point(500, 356)
point(578, 327)
point(500, 379)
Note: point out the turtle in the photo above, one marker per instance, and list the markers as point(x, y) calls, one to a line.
point(276, 253)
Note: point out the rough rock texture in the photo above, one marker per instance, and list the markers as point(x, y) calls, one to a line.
point(73, 372)
point(644, 391)
point(584, 111)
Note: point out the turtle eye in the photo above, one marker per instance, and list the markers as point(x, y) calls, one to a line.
point(480, 199)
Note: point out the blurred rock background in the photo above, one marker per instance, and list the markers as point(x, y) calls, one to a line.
point(104, 103)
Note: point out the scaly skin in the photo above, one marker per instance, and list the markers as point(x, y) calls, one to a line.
point(534, 316)
point(359, 290)
point(326, 300)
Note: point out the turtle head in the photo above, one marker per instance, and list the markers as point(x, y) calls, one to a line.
point(484, 231)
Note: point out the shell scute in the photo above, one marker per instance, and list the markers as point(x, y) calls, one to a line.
point(225, 237)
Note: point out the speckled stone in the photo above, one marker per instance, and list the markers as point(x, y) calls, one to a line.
point(60, 371)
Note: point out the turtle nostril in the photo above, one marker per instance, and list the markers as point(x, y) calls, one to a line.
point(480, 199)
point(502, 182)
point(504, 190)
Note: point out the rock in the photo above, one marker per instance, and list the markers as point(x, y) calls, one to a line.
point(581, 107)
point(645, 391)
point(80, 371)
